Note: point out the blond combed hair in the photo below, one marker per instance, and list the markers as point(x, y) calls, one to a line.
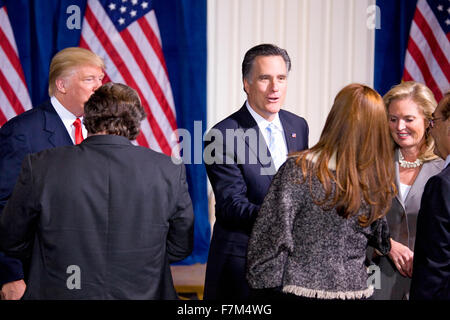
point(424, 98)
point(356, 134)
point(66, 60)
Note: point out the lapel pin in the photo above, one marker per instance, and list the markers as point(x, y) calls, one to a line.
point(293, 135)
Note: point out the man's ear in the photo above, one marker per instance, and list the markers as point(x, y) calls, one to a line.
point(61, 85)
point(246, 85)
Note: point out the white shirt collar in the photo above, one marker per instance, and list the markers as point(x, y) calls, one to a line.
point(263, 123)
point(67, 118)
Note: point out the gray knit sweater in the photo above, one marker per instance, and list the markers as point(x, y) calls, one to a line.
point(308, 251)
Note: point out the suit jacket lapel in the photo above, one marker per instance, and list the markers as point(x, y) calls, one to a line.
point(420, 181)
point(246, 122)
point(290, 134)
point(53, 125)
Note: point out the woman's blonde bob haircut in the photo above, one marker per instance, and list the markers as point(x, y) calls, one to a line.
point(356, 135)
point(66, 60)
point(424, 98)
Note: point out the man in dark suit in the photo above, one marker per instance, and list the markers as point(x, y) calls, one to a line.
point(102, 219)
point(431, 264)
point(75, 73)
point(242, 153)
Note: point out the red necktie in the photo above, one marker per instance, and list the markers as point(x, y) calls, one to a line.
point(78, 132)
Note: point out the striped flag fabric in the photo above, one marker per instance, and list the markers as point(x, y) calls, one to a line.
point(14, 96)
point(427, 58)
point(125, 34)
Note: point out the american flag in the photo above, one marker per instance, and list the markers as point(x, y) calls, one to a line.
point(125, 33)
point(14, 97)
point(428, 54)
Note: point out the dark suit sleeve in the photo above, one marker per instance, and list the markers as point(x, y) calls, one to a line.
point(13, 148)
point(10, 269)
point(180, 239)
point(17, 223)
point(431, 268)
point(233, 207)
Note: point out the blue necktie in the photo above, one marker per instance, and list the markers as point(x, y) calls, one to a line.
point(275, 137)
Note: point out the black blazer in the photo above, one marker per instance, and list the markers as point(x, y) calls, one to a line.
point(32, 131)
point(119, 212)
point(431, 264)
point(240, 184)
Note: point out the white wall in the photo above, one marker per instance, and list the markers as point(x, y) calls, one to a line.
point(329, 43)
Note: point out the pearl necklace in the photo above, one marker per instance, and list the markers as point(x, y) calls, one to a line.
point(408, 164)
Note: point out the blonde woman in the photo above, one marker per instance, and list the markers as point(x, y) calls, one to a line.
point(409, 106)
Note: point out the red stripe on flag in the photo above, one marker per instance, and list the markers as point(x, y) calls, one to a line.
point(407, 76)
point(153, 40)
point(433, 44)
point(141, 140)
point(2, 118)
point(11, 54)
point(121, 66)
point(417, 55)
point(106, 79)
point(84, 44)
point(159, 94)
point(10, 95)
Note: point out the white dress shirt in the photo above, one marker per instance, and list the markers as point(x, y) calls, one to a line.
point(263, 124)
point(67, 118)
point(404, 190)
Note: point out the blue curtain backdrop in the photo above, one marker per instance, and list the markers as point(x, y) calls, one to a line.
point(40, 31)
point(391, 41)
